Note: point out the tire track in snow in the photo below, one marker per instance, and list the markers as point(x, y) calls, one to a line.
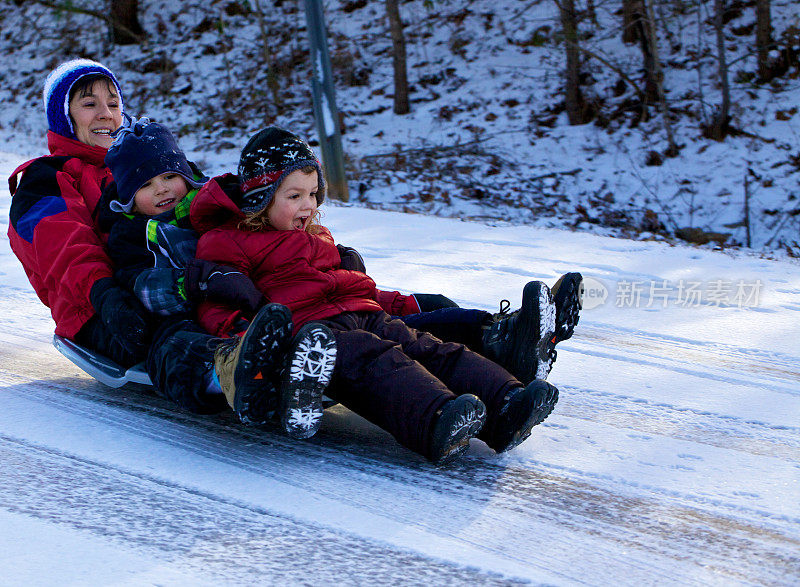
point(664, 419)
point(226, 541)
point(714, 361)
point(681, 354)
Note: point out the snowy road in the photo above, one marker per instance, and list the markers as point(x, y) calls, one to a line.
point(203, 499)
point(673, 456)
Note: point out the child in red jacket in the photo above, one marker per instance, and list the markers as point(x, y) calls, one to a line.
point(430, 395)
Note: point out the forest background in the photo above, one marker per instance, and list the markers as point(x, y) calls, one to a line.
point(674, 120)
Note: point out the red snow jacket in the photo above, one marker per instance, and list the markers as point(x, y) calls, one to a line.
point(290, 267)
point(52, 229)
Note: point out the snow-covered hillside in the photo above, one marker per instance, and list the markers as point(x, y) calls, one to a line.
point(672, 457)
point(486, 138)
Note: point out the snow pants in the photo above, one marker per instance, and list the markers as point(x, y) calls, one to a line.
point(180, 359)
point(397, 377)
point(453, 325)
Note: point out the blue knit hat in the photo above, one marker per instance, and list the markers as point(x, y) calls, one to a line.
point(57, 87)
point(141, 151)
point(268, 157)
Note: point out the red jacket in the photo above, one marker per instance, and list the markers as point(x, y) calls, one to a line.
point(290, 267)
point(52, 231)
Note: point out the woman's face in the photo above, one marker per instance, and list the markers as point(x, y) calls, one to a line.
point(95, 114)
point(294, 202)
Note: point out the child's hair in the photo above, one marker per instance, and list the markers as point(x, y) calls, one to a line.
point(141, 151)
point(259, 220)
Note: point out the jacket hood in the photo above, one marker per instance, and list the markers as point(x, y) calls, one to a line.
point(213, 205)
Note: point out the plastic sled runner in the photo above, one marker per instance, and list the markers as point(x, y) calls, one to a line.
point(101, 368)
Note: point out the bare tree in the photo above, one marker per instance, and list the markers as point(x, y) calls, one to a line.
point(124, 20)
point(631, 13)
point(272, 78)
point(638, 24)
point(125, 25)
point(719, 126)
point(575, 103)
point(401, 104)
point(763, 39)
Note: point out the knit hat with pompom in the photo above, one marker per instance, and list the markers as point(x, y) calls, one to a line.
point(57, 88)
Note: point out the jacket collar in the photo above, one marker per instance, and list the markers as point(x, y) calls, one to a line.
point(60, 145)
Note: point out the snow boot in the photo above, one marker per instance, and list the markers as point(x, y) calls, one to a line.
point(521, 409)
point(245, 364)
point(309, 366)
point(521, 341)
point(568, 298)
point(459, 420)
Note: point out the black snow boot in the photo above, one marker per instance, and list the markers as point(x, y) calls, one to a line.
point(522, 409)
point(246, 365)
point(459, 420)
point(568, 298)
point(521, 341)
point(309, 366)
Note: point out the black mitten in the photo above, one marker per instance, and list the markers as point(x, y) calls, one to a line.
point(204, 280)
point(351, 259)
point(122, 314)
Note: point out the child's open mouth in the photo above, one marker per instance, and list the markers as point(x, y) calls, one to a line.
point(166, 202)
point(300, 223)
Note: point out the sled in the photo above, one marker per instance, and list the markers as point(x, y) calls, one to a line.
point(101, 368)
point(110, 373)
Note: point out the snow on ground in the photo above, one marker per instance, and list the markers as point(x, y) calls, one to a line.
point(673, 456)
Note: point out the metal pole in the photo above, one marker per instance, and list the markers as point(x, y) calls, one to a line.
point(325, 113)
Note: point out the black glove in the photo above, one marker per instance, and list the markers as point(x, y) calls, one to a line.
point(204, 280)
point(122, 314)
point(430, 302)
point(351, 259)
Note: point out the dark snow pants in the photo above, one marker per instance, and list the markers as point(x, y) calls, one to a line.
point(453, 325)
point(180, 357)
point(397, 377)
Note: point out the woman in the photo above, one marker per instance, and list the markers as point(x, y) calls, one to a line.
point(53, 231)
point(51, 227)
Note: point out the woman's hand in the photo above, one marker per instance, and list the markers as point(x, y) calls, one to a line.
point(122, 314)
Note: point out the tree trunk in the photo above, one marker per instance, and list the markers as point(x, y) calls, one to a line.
point(272, 79)
point(125, 27)
point(656, 77)
point(631, 13)
point(574, 101)
point(719, 126)
point(401, 105)
point(640, 26)
point(591, 12)
point(763, 39)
